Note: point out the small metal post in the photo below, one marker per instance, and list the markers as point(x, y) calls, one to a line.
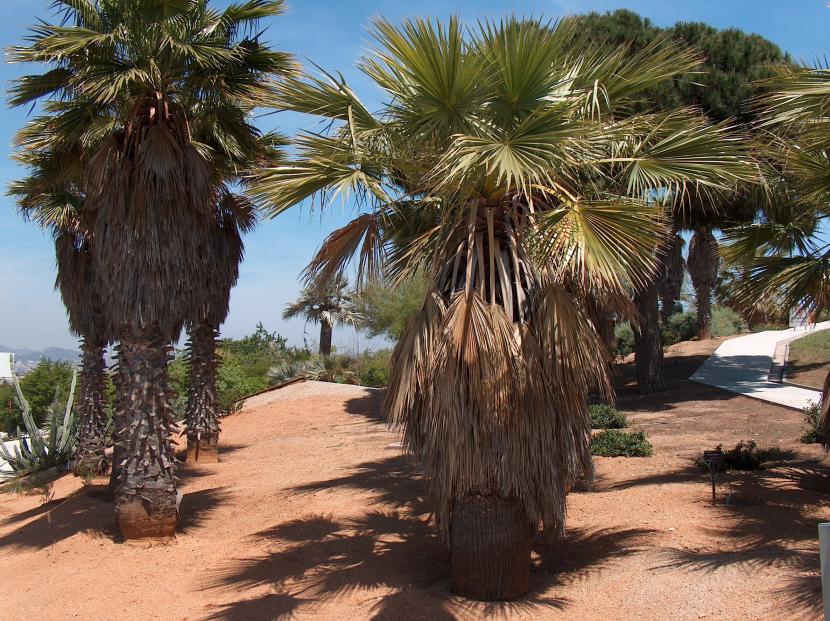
point(824, 556)
point(713, 459)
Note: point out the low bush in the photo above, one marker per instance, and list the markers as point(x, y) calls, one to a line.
point(812, 416)
point(373, 368)
point(624, 340)
point(604, 416)
point(679, 327)
point(746, 456)
point(726, 322)
point(616, 443)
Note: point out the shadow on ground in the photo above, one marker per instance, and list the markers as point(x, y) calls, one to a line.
point(394, 548)
point(763, 518)
point(88, 510)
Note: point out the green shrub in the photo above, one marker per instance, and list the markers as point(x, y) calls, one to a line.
point(373, 368)
point(39, 386)
point(624, 339)
point(616, 443)
point(604, 416)
point(679, 327)
point(812, 416)
point(745, 456)
point(726, 322)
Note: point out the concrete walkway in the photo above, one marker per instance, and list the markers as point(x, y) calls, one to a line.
point(742, 365)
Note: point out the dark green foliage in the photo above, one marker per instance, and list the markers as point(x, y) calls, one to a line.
point(679, 327)
point(624, 339)
point(236, 378)
point(726, 322)
point(39, 386)
point(243, 369)
point(812, 416)
point(734, 61)
point(256, 344)
point(604, 416)
point(385, 310)
point(373, 368)
point(746, 456)
point(616, 443)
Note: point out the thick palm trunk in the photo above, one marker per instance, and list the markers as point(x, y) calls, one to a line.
point(90, 457)
point(325, 337)
point(202, 404)
point(490, 543)
point(647, 343)
point(146, 502)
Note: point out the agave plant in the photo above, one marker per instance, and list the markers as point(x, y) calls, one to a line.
point(40, 449)
point(508, 167)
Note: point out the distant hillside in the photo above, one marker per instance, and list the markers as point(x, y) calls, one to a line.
point(25, 359)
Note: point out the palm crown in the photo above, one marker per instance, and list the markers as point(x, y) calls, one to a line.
point(508, 165)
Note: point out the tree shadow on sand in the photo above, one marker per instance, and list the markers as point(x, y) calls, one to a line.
point(88, 510)
point(770, 521)
point(393, 548)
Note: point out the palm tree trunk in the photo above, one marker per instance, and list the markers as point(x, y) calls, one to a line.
point(490, 543)
point(824, 418)
point(647, 343)
point(119, 417)
point(202, 403)
point(90, 457)
point(146, 501)
point(703, 263)
point(325, 337)
point(671, 272)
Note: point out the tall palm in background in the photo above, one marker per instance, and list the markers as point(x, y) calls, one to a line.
point(52, 197)
point(152, 70)
point(509, 168)
point(785, 253)
point(328, 303)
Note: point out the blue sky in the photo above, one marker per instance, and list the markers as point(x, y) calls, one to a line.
point(331, 33)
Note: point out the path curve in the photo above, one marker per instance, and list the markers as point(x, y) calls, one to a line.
point(742, 365)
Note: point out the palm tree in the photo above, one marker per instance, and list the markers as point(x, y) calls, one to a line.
point(51, 196)
point(783, 254)
point(162, 74)
point(703, 265)
point(330, 304)
point(506, 166)
point(235, 216)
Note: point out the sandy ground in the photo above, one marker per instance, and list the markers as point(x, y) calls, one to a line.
point(313, 513)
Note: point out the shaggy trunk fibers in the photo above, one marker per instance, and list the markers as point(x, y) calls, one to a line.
point(202, 404)
point(647, 344)
point(90, 457)
point(490, 543)
point(146, 498)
